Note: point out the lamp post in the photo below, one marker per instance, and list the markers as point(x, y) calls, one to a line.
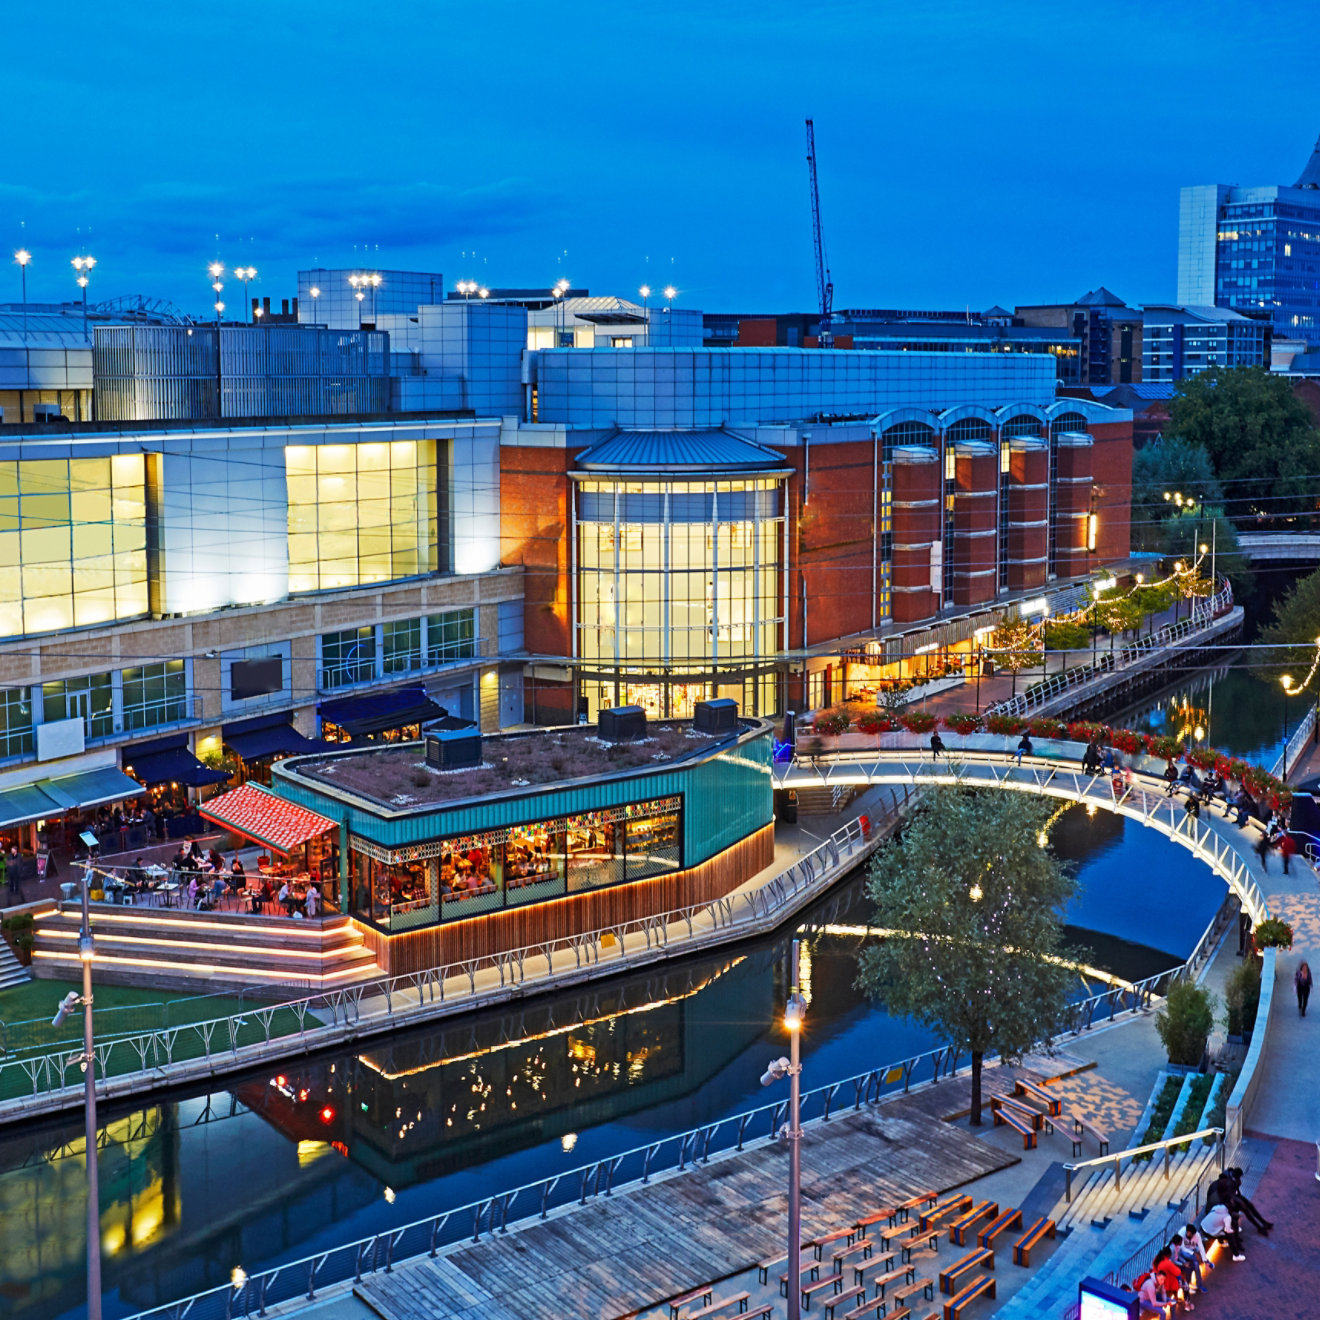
point(670, 294)
point(22, 257)
point(86, 952)
point(246, 274)
point(794, 1014)
point(1285, 681)
point(83, 265)
point(316, 293)
point(375, 284)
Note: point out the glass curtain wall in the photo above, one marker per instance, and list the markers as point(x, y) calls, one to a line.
point(360, 513)
point(73, 542)
point(680, 592)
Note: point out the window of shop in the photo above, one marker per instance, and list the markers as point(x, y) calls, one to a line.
point(90, 699)
point(451, 636)
point(155, 694)
point(360, 513)
point(402, 646)
point(15, 722)
point(348, 657)
point(465, 876)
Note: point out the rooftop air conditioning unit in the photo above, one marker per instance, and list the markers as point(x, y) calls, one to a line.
point(718, 716)
point(620, 723)
point(453, 749)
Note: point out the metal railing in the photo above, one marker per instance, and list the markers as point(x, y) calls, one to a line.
point(327, 1017)
point(1203, 613)
point(495, 1214)
point(1133, 1153)
point(1292, 752)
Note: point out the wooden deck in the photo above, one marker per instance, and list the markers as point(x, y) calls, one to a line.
point(616, 1256)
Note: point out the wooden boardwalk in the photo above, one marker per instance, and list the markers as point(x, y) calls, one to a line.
point(618, 1255)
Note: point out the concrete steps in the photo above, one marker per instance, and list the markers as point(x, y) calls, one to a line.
point(183, 949)
point(1142, 1188)
point(12, 972)
point(823, 801)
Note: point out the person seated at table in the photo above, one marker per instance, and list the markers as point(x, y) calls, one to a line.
point(266, 895)
point(218, 890)
point(216, 860)
point(135, 877)
point(194, 849)
point(236, 870)
point(285, 898)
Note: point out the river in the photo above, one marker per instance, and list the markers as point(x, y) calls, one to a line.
point(277, 1165)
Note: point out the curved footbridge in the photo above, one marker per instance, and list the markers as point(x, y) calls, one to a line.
point(1053, 771)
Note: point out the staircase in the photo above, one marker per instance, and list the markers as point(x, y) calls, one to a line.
point(824, 801)
point(185, 950)
point(12, 972)
point(1142, 1187)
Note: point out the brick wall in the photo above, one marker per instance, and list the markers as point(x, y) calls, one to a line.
point(534, 533)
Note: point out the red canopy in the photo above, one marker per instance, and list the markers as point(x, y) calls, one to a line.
point(274, 822)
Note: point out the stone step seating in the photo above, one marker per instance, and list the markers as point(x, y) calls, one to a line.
point(12, 972)
point(1142, 1188)
point(180, 949)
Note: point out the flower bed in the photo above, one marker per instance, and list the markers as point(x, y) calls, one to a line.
point(963, 724)
point(917, 721)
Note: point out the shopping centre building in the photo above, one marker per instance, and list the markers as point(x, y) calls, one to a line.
point(543, 533)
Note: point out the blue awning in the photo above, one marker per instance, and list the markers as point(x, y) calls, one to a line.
point(377, 712)
point(24, 803)
point(91, 788)
point(171, 765)
point(275, 739)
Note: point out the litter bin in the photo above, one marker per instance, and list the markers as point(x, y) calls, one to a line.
point(68, 890)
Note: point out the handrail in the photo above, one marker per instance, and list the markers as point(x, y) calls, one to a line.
point(493, 1215)
point(1203, 613)
point(1293, 748)
point(1116, 1158)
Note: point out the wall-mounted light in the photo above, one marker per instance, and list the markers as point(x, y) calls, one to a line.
point(1092, 522)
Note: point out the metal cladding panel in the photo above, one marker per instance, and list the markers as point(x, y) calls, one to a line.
point(725, 798)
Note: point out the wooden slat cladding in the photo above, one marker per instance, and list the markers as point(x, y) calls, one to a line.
point(557, 919)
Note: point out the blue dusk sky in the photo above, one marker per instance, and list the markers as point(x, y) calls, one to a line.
point(970, 153)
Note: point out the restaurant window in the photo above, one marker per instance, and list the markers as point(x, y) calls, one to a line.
point(360, 513)
point(155, 694)
point(73, 547)
point(451, 636)
point(348, 657)
point(90, 699)
point(15, 722)
point(403, 646)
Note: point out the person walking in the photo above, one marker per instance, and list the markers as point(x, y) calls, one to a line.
point(1263, 851)
point(1287, 849)
point(1302, 984)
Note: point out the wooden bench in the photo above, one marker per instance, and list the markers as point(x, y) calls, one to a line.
point(903, 1296)
point(1082, 1126)
point(764, 1268)
point(820, 1243)
point(842, 1254)
point(904, 1273)
point(981, 1210)
point(734, 1299)
point(1027, 1113)
point(953, 1308)
point(855, 1294)
point(1034, 1090)
point(981, 1258)
point(869, 1221)
point(809, 1269)
point(955, 1205)
point(915, 1203)
point(1022, 1247)
point(834, 1282)
point(916, 1236)
point(874, 1307)
point(1007, 1219)
point(702, 1295)
point(1003, 1115)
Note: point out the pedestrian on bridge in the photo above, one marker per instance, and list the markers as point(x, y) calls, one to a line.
point(1287, 849)
point(1302, 984)
point(1263, 851)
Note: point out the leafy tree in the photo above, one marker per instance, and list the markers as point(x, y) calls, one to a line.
point(1014, 646)
point(1185, 1021)
point(1170, 465)
point(1259, 436)
point(1207, 526)
point(1292, 633)
point(973, 906)
point(1066, 635)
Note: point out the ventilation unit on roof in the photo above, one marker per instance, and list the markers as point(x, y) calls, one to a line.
point(620, 723)
point(453, 749)
point(717, 716)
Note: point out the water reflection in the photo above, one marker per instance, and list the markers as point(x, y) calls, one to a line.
point(294, 1159)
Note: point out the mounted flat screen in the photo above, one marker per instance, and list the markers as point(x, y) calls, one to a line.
point(256, 678)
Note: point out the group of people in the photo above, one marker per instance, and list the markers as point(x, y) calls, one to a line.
point(1185, 1260)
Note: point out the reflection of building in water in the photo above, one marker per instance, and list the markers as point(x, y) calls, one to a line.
point(431, 1103)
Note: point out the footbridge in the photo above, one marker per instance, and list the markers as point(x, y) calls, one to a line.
point(1293, 547)
point(1053, 772)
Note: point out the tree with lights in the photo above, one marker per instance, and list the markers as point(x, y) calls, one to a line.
point(971, 899)
point(1014, 646)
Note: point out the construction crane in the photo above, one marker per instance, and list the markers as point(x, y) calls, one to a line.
point(824, 284)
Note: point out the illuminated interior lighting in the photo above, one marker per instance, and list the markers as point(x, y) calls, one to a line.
point(209, 969)
point(194, 944)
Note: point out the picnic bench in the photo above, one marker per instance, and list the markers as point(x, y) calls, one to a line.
point(951, 1279)
point(1022, 1247)
point(739, 1300)
point(702, 1295)
point(856, 1294)
point(867, 1222)
point(1005, 1220)
point(1082, 1126)
point(1023, 1086)
point(819, 1244)
point(984, 1286)
point(981, 1210)
point(1028, 1113)
point(955, 1205)
point(1019, 1125)
point(834, 1282)
point(906, 1273)
point(842, 1254)
point(903, 1296)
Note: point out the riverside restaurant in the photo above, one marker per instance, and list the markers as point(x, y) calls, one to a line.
point(462, 847)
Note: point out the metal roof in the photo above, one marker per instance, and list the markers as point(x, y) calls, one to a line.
point(42, 330)
point(679, 451)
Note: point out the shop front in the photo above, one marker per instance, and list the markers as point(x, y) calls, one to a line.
point(472, 875)
point(387, 717)
point(259, 742)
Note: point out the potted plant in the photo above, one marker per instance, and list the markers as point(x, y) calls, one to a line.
point(1184, 1023)
point(1203, 757)
point(1086, 731)
point(1273, 934)
point(876, 721)
point(1044, 727)
point(917, 721)
point(962, 723)
point(1163, 745)
point(831, 723)
point(1127, 741)
point(1005, 724)
point(1241, 1000)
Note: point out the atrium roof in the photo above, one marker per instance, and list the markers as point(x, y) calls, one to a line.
point(679, 451)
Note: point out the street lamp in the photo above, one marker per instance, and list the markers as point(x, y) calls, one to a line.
point(83, 265)
point(794, 1013)
point(245, 273)
point(670, 294)
point(316, 293)
point(87, 1062)
point(1285, 680)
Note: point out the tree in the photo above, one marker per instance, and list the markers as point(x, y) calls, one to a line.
point(972, 909)
point(1259, 436)
point(1288, 642)
point(1185, 1021)
point(1182, 536)
point(1170, 465)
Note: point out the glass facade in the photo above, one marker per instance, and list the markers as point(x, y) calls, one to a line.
point(360, 513)
point(16, 738)
point(402, 646)
point(680, 578)
point(73, 542)
point(90, 698)
point(467, 875)
point(1268, 263)
point(155, 694)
